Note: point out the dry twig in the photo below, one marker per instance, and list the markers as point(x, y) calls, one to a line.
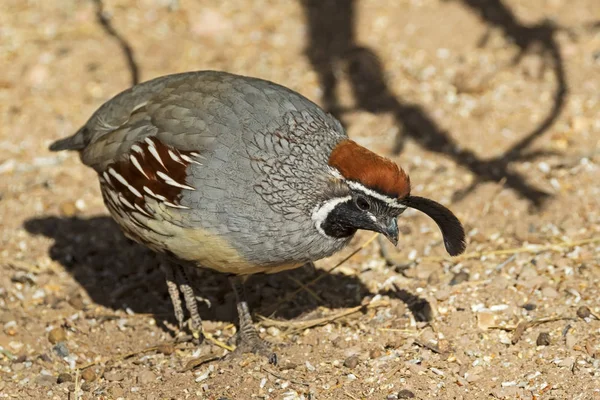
point(429, 346)
point(531, 249)
point(196, 362)
point(285, 378)
point(311, 323)
point(217, 342)
point(522, 326)
point(324, 274)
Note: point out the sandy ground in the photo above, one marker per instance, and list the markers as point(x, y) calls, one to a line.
point(491, 108)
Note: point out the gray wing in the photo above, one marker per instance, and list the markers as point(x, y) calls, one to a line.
point(186, 111)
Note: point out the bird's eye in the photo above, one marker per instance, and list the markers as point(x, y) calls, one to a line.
point(362, 203)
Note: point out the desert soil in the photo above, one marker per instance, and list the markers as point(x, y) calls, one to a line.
point(492, 109)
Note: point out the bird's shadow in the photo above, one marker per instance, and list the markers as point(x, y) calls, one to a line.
point(119, 274)
point(334, 51)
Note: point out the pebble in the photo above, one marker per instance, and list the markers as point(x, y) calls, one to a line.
point(45, 380)
point(61, 349)
point(89, 375)
point(166, 349)
point(146, 377)
point(351, 362)
point(462, 276)
point(485, 320)
point(543, 339)
point(117, 391)
point(549, 292)
point(374, 353)
point(583, 312)
point(114, 376)
point(570, 340)
point(567, 363)
point(68, 209)
point(57, 335)
point(76, 302)
point(529, 306)
point(273, 331)
point(64, 377)
point(406, 394)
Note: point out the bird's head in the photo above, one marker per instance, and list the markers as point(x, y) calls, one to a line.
point(369, 192)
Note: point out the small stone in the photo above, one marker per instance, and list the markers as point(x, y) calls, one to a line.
point(406, 394)
point(45, 380)
point(114, 376)
point(273, 331)
point(166, 349)
point(567, 363)
point(549, 292)
point(117, 391)
point(462, 276)
point(543, 339)
point(351, 362)
point(57, 335)
point(529, 306)
point(68, 208)
point(374, 353)
point(61, 349)
point(146, 377)
point(89, 375)
point(85, 386)
point(76, 301)
point(583, 312)
point(570, 340)
point(64, 377)
point(485, 320)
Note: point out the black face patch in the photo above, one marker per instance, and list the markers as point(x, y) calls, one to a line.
point(361, 212)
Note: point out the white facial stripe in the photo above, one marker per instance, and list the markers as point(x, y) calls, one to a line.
point(387, 200)
point(321, 211)
point(336, 173)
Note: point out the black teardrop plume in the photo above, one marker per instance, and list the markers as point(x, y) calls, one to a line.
point(452, 230)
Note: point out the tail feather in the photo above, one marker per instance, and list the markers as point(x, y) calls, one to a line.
point(78, 141)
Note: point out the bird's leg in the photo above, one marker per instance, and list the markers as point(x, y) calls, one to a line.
point(248, 339)
point(169, 270)
point(177, 284)
point(190, 302)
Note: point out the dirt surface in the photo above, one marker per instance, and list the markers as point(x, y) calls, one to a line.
point(491, 108)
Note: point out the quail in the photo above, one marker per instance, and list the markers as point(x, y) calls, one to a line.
point(242, 176)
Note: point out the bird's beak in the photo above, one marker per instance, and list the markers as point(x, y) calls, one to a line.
point(390, 229)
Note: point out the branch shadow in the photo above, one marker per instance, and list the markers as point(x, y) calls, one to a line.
point(104, 21)
point(332, 48)
point(117, 274)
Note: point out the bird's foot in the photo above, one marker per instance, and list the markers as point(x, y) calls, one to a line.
point(178, 284)
point(248, 341)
